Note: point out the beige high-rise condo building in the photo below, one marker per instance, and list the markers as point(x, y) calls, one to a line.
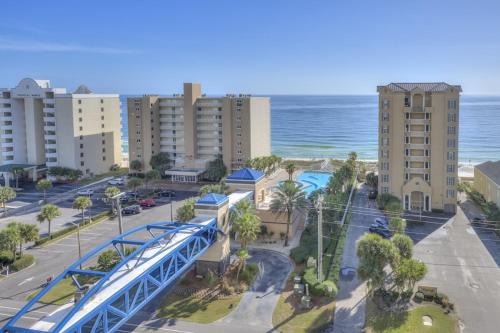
point(418, 144)
point(45, 126)
point(194, 129)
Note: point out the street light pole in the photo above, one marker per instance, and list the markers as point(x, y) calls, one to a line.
point(320, 238)
point(172, 210)
point(116, 202)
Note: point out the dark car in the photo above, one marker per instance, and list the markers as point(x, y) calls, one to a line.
point(131, 210)
point(166, 193)
point(372, 195)
point(147, 203)
point(381, 231)
point(381, 222)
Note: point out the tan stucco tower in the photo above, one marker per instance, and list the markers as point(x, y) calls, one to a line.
point(418, 144)
point(216, 258)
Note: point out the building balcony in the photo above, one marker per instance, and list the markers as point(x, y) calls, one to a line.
point(51, 146)
point(416, 170)
point(208, 119)
point(418, 134)
point(7, 135)
point(5, 101)
point(5, 118)
point(51, 163)
point(5, 109)
point(7, 153)
point(418, 158)
point(208, 143)
point(7, 126)
point(209, 151)
point(417, 121)
point(51, 155)
point(172, 103)
point(416, 146)
point(49, 101)
point(209, 104)
point(49, 110)
point(207, 135)
point(50, 137)
point(49, 127)
point(211, 128)
point(172, 142)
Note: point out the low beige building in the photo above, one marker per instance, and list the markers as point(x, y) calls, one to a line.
point(418, 144)
point(487, 181)
point(194, 129)
point(45, 126)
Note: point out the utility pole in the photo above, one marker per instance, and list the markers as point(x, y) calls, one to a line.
point(320, 238)
point(171, 209)
point(116, 202)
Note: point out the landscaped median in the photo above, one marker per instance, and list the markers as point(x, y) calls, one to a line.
point(208, 299)
point(68, 230)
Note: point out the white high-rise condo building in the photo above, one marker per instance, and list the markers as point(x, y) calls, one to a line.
point(44, 126)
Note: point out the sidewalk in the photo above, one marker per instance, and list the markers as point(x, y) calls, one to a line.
point(351, 300)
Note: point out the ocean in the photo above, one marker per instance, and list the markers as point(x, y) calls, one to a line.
point(332, 126)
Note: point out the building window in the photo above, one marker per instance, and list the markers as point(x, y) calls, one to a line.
point(450, 181)
point(407, 152)
point(427, 128)
point(427, 152)
point(385, 116)
point(452, 130)
point(427, 115)
point(407, 115)
point(452, 143)
point(386, 104)
point(427, 140)
point(407, 128)
point(81, 163)
point(385, 178)
point(103, 150)
point(427, 165)
point(451, 156)
point(102, 125)
point(81, 128)
point(407, 139)
point(450, 168)
point(452, 117)
point(104, 158)
point(427, 177)
point(450, 193)
point(81, 145)
point(452, 104)
point(103, 134)
point(103, 142)
point(79, 110)
point(385, 189)
point(407, 176)
point(407, 100)
point(102, 101)
point(80, 119)
point(102, 117)
point(385, 129)
point(81, 137)
point(102, 109)
point(81, 154)
point(79, 101)
point(385, 141)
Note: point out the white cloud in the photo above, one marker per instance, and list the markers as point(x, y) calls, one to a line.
point(7, 44)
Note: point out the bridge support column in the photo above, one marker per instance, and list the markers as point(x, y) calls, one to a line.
point(216, 258)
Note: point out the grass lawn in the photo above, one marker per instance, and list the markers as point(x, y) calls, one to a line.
point(117, 173)
point(288, 320)
point(62, 293)
point(409, 322)
point(202, 311)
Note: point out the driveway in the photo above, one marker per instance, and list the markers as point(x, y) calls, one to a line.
point(460, 265)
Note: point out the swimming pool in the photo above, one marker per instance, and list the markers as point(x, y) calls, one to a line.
point(313, 180)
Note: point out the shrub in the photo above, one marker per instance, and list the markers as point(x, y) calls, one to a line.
point(26, 260)
point(316, 288)
point(263, 230)
point(6, 257)
point(248, 273)
point(419, 297)
point(211, 278)
point(441, 299)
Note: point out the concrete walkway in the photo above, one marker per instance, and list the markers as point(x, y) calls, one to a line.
point(351, 302)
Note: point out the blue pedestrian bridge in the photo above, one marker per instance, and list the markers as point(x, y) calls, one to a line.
point(161, 252)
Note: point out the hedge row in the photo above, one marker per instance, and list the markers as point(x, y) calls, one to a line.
point(96, 218)
point(26, 260)
point(326, 288)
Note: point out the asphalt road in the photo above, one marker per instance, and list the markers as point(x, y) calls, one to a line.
point(461, 263)
point(52, 259)
point(350, 305)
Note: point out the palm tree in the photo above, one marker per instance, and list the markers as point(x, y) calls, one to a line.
point(17, 171)
point(242, 256)
point(48, 213)
point(245, 222)
point(133, 183)
point(10, 238)
point(28, 233)
point(110, 192)
point(151, 176)
point(6, 194)
point(136, 165)
point(44, 185)
point(81, 203)
point(288, 198)
point(290, 168)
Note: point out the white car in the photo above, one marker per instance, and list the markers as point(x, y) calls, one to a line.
point(87, 192)
point(116, 181)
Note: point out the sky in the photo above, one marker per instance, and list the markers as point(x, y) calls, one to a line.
point(254, 46)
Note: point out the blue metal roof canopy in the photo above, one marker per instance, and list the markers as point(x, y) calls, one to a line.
point(214, 199)
point(245, 175)
point(110, 314)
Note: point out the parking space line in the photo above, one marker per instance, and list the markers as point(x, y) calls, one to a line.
point(13, 314)
point(17, 309)
point(49, 251)
point(62, 244)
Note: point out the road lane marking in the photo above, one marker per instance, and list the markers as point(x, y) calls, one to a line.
point(25, 281)
point(12, 315)
point(17, 309)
